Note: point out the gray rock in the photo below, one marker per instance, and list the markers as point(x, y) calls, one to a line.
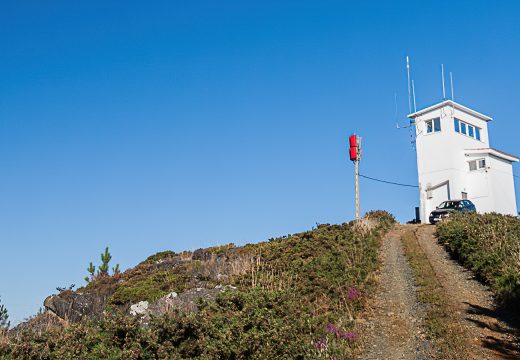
point(140, 308)
point(76, 306)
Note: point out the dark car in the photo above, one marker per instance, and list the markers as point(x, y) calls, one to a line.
point(448, 207)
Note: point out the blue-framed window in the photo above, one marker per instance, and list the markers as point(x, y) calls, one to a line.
point(466, 129)
point(436, 125)
point(433, 125)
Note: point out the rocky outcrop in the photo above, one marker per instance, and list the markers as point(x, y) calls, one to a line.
point(73, 306)
point(186, 302)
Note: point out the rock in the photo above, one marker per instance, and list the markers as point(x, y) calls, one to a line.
point(76, 306)
point(140, 308)
point(171, 295)
point(186, 302)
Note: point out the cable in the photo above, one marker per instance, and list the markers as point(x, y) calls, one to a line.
point(387, 182)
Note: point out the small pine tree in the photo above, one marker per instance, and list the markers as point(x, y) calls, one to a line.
point(91, 270)
point(103, 268)
point(105, 259)
point(115, 270)
point(4, 318)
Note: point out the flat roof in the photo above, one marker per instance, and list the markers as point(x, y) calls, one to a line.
point(495, 152)
point(453, 104)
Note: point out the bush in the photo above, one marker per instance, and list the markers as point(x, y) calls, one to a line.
point(297, 299)
point(489, 245)
point(4, 318)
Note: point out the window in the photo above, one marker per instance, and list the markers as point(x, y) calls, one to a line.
point(436, 125)
point(433, 125)
point(466, 129)
point(475, 165)
point(429, 126)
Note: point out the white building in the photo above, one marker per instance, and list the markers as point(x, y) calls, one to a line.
point(455, 161)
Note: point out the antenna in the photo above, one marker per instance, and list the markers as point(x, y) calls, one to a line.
point(409, 93)
point(443, 88)
point(413, 94)
point(451, 81)
point(395, 114)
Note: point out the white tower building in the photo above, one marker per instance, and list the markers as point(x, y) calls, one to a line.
point(455, 161)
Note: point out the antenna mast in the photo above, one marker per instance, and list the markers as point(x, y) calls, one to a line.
point(413, 94)
point(443, 88)
point(409, 92)
point(451, 81)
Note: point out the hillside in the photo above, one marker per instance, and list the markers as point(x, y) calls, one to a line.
point(296, 296)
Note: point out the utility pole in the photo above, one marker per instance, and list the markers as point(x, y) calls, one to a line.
point(357, 189)
point(355, 156)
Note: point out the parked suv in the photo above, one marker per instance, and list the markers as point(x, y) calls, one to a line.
point(448, 207)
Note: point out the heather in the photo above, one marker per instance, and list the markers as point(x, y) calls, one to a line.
point(488, 244)
point(292, 297)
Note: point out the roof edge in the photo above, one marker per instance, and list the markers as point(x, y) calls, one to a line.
point(455, 105)
point(497, 153)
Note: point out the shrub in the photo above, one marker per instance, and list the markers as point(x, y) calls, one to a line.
point(4, 318)
point(489, 245)
point(296, 297)
point(102, 269)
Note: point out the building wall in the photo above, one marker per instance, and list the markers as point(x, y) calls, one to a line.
point(503, 186)
point(440, 156)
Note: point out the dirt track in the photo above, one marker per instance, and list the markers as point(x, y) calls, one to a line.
point(397, 321)
point(487, 334)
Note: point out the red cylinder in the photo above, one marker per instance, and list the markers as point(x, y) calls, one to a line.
point(353, 153)
point(352, 141)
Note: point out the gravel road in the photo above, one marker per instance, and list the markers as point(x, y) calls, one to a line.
point(488, 334)
point(395, 325)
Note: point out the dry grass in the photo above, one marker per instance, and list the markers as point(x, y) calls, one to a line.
point(443, 328)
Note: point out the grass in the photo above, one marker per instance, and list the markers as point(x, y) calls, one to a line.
point(489, 245)
point(297, 297)
point(442, 327)
point(149, 287)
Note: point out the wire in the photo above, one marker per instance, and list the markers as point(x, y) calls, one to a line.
point(387, 182)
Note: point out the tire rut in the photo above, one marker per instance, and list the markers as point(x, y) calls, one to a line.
point(396, 323)
point(487, 336)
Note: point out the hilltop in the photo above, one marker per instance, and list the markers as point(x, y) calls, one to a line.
point(295, 296)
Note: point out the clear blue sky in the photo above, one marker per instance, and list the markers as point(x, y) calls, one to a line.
point(176, 125)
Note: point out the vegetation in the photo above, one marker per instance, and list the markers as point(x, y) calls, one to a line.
point(442, 328)
point(102, 269)
point(4, 318)
point(488, 244)
point(296, 297)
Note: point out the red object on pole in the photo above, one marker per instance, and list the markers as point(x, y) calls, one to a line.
point(353, 152)
point(352, 141)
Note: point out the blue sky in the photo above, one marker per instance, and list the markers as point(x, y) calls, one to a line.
point(177, 125)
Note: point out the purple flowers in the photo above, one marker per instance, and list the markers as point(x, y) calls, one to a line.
point(348, 335)
point(345, 335)
point(352, 293)
point(331, 328)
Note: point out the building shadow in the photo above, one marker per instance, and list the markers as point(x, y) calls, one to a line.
point(499, 320)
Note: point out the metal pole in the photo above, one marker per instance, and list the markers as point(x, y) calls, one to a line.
point(357, 189)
